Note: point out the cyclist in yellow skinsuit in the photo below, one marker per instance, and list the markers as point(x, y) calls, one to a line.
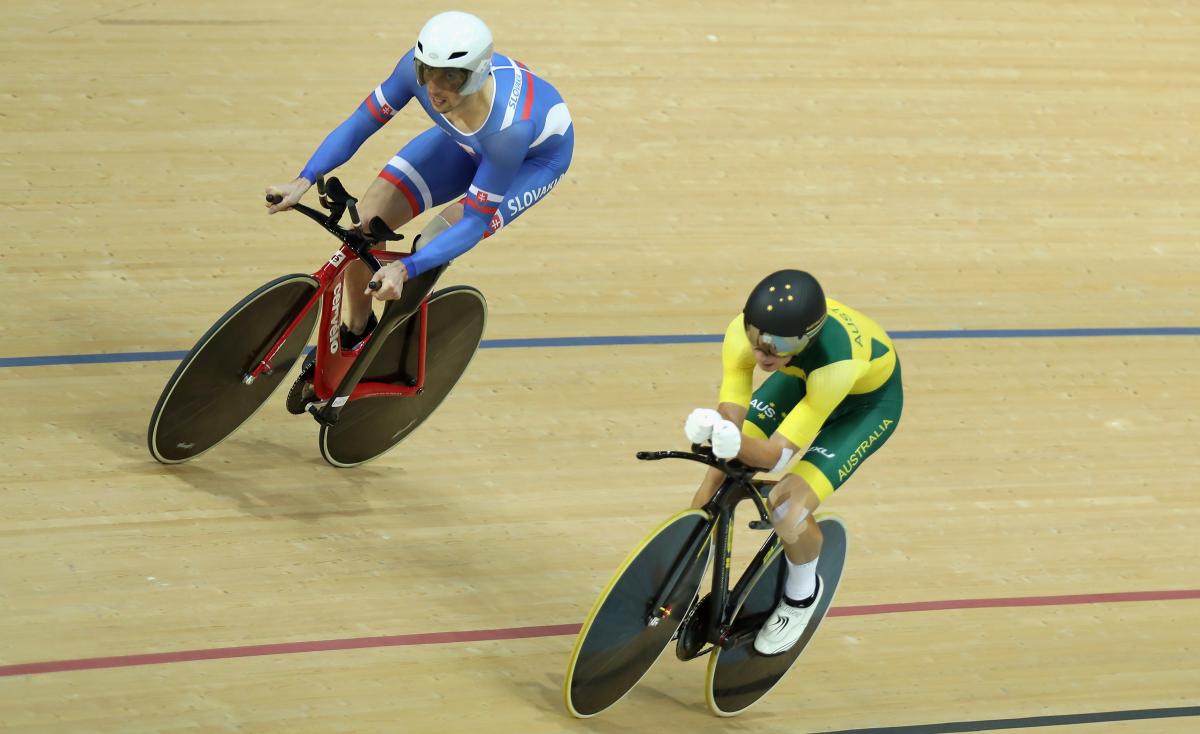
point(832, 399)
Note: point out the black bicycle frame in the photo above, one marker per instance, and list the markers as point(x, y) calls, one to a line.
point(737, 486)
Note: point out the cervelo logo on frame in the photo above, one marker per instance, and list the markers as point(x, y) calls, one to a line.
point(337, 258)
point(335, 310)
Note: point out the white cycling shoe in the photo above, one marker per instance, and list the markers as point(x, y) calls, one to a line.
point(786, 624)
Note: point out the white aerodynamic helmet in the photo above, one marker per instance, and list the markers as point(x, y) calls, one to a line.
point(455, 40)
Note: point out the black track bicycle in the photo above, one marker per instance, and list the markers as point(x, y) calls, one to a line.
point(653, 598)
point(366, 399)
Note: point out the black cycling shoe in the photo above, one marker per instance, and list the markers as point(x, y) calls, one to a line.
point(350, 340)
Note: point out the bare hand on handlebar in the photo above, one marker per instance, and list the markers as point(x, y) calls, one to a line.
point(280, 198)
point(388, 281)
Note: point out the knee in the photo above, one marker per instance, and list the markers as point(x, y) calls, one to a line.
point(793, 503)
point(383, 200)
point(452, 213)
point(791, 519)
point(436, 226)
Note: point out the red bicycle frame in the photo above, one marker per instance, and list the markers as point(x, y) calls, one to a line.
point(332, 361)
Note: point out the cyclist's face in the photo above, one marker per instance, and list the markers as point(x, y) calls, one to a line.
point(442, 86)
point(765, 353)
point(770, 362)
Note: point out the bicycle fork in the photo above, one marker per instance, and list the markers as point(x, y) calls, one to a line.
point(661, 608)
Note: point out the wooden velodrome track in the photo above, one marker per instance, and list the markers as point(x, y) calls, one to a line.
point(1023, 553)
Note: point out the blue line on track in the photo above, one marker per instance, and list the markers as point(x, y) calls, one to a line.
point(656, 339)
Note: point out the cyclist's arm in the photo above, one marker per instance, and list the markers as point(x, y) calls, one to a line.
point(732, 412)
point(826, 387)
point(372, 114)
point(503, 154)
point(737, 375)
point(737, 372)
point(766, 453)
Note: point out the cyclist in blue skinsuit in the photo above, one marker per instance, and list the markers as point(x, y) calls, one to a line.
point(502, 138)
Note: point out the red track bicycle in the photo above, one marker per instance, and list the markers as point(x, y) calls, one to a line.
point(366, 399)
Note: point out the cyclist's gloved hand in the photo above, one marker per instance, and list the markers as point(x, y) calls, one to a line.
point(699, 425)
point(291, 193)
point(726, 439)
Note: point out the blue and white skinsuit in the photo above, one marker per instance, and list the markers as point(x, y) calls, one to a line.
point(513, 160)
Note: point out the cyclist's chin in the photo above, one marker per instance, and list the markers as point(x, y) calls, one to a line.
point(443, 102)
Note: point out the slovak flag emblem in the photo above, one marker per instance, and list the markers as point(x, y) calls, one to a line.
point(387, 110)
point(481, 196)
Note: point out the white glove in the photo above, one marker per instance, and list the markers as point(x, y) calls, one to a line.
point(699, 424)
point(726, 440)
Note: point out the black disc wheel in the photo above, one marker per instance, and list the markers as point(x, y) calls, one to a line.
point(369, 426)
point(738, 676)
point(617, 644)
point(206, 399)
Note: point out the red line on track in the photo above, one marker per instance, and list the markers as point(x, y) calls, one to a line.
point(513, 633)
point(1018, 601)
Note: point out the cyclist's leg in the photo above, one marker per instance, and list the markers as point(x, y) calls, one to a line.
point(430, 170)
point(536, 178)
point(851, 435)
point(383, 200)
point(855, 431)
point(792, 501)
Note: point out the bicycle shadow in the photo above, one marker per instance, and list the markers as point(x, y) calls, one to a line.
point(258, 477)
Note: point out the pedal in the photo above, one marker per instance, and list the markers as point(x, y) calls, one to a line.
point(317, 411)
